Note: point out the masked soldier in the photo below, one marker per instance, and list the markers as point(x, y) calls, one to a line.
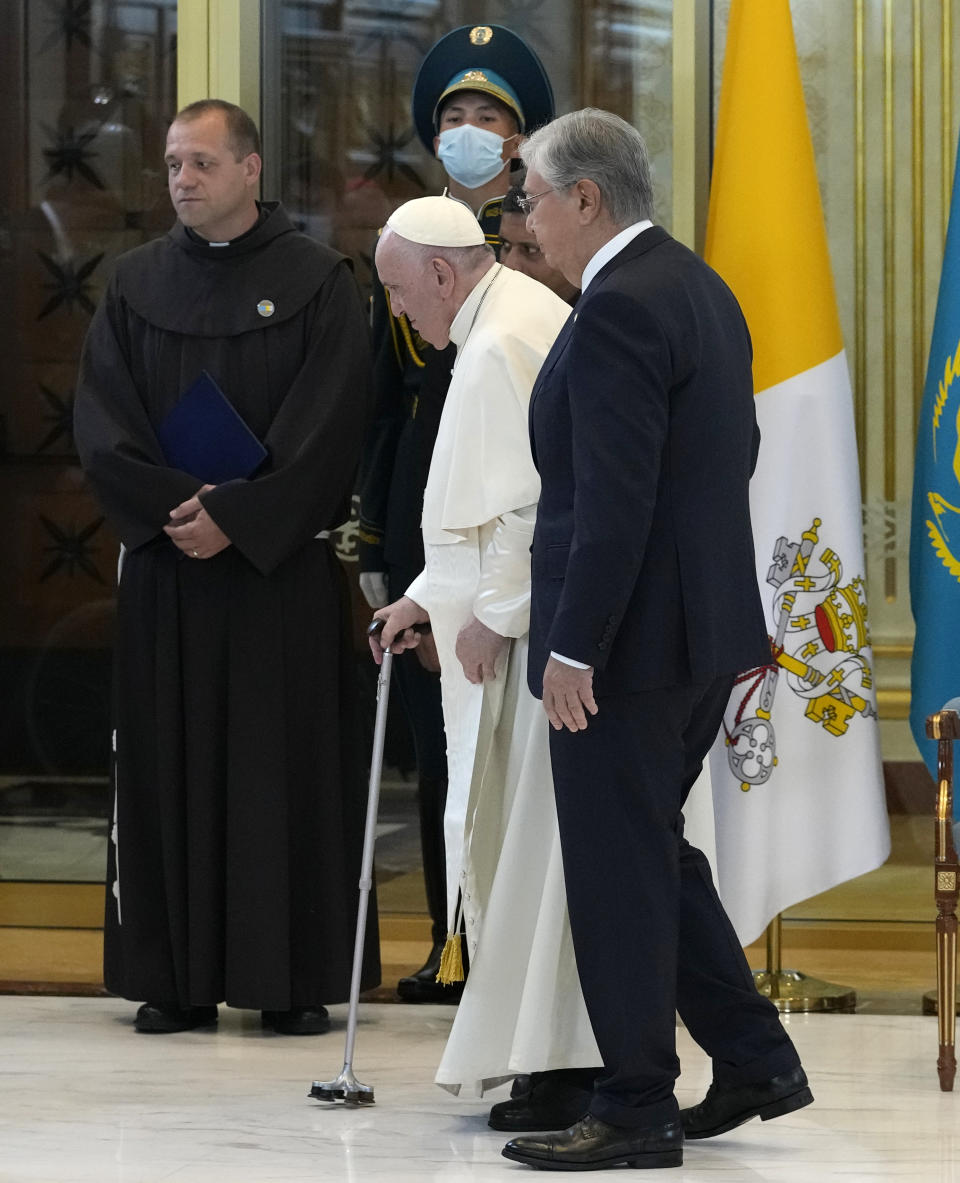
point(478, 91)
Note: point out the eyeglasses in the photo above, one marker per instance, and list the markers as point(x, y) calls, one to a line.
point(526, 202)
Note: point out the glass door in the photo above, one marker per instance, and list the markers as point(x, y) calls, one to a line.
point(89, 88)
point(341, 152)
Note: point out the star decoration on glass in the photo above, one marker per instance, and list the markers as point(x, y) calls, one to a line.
point(69, 154)
point(387, 147)
point(389, 35)
point(6, 232)
point(524, 8)
point(396, 29)
point(72, 23)
point(71, 549)
point(365, 278)
point(72, 283)
point(528, 22)
point(301, 153)
point(60, 416)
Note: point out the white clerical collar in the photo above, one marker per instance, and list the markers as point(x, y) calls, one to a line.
point(610, 249)
point(463, 321)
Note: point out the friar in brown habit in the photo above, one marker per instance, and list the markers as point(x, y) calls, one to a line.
point(238, 826)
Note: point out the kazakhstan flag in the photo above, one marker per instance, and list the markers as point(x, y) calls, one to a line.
point(935, 529)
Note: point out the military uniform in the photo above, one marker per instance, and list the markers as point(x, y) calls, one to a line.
point(410, 383)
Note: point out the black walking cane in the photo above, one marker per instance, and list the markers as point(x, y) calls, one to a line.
point(346, 1087)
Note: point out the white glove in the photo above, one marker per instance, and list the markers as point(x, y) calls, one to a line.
point(373, 584)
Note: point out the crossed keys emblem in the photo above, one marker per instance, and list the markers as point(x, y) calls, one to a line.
point(834, 632)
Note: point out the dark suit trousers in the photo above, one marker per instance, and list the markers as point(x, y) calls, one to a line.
point(650, 934)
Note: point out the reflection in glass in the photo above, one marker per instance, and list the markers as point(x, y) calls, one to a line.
point(90, 88)
point(340, 151)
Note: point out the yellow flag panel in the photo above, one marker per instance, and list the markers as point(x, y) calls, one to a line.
point(765, 230)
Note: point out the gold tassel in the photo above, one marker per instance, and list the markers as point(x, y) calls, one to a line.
point(451, 961)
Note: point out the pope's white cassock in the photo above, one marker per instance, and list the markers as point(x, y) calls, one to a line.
point(522, 1009)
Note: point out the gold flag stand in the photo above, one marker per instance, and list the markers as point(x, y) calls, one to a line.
point(930, 1004)
point(791, 991)
point(944, 727)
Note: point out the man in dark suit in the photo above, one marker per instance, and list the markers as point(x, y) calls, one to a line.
point(645, 606)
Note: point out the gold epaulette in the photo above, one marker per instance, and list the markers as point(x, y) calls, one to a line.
point(491, 209)
point(408, 341)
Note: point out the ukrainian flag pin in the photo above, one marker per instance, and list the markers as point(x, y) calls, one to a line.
point(266, 308)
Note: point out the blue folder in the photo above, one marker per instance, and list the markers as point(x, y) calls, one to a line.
point(204, 435)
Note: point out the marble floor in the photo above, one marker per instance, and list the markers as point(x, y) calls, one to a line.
point(85, 1100)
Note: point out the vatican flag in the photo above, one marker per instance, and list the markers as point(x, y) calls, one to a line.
point(796, 772)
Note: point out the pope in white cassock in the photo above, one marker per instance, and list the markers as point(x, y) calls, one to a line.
point(522, 1010)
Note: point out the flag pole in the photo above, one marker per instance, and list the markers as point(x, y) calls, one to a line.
point(793, 992)
point(808, 764)
point(944, 727)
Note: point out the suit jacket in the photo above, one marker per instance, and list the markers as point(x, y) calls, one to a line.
point(643, 429)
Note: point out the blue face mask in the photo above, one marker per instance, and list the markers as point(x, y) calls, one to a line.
point(470, 155)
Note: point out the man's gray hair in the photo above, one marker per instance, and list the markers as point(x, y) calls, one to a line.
point(597, 146)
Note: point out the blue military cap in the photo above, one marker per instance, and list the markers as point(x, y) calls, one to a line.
point(487, 58)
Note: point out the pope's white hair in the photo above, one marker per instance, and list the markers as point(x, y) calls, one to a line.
point(464, 260)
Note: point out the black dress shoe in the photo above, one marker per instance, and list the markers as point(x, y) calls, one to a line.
point(592, 1145)
point(299, 1020)
point(549, 1105)
point(728, 1105)
point(154, 1018)
point(423, 985)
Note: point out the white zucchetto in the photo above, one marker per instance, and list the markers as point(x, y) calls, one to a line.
point(436, 221)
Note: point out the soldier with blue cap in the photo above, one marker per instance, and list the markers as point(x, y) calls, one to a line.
point(479, 91)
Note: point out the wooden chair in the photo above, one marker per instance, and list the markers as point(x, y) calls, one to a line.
point(944, 727)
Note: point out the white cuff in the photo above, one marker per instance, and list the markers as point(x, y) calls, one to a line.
point(418, 591)
point(578, 665)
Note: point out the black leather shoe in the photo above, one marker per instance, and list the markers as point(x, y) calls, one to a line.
point(153, 1018)
point(728, 1105)
point(299, 1020)
point(592, 1145)
point(423, 985)
point(549, 1105)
